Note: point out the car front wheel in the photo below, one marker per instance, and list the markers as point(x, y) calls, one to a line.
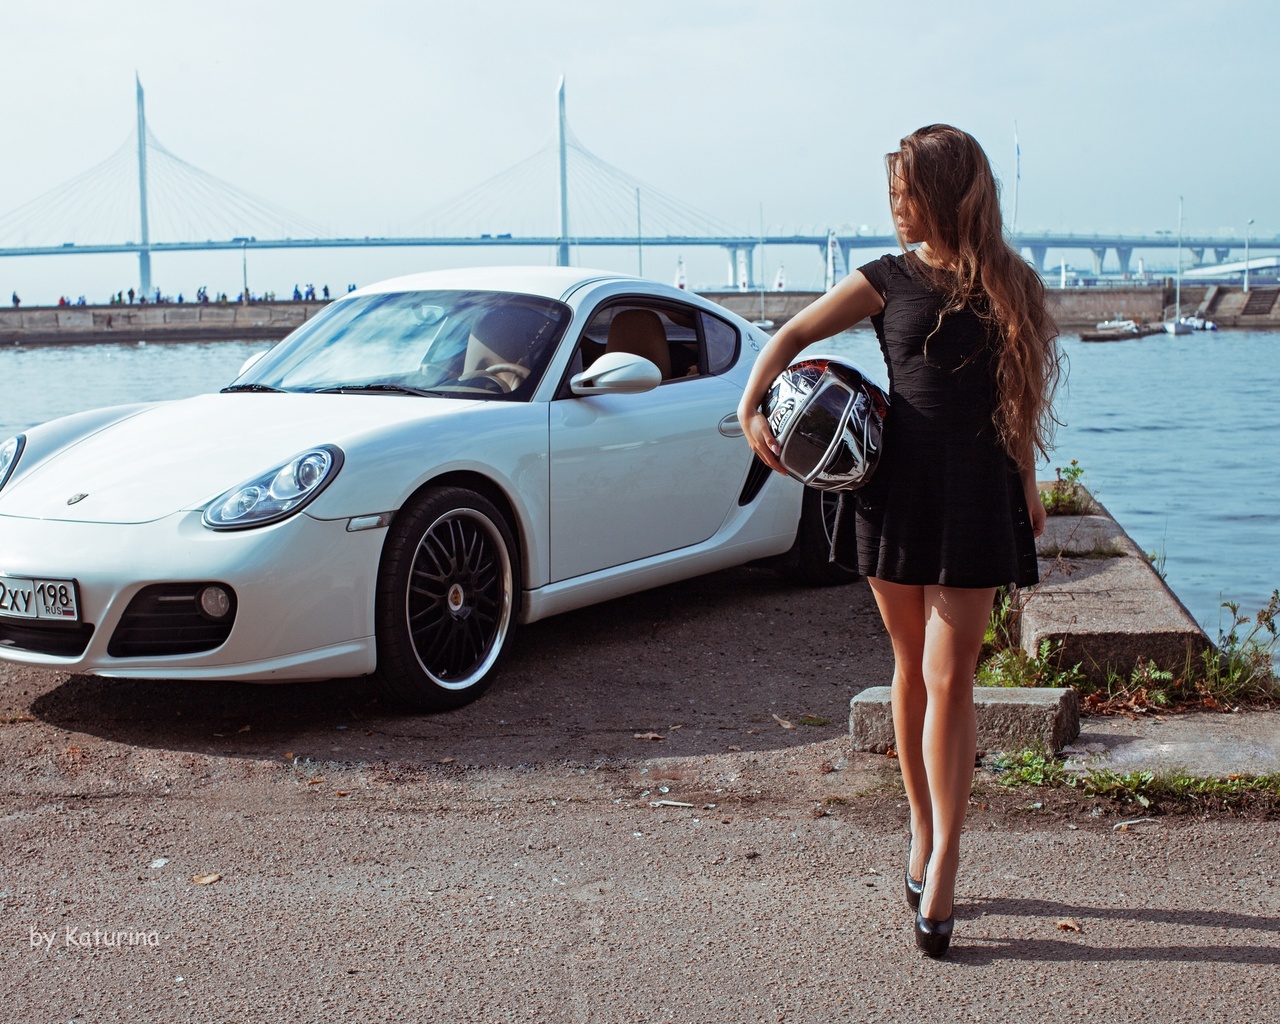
point(446, 600)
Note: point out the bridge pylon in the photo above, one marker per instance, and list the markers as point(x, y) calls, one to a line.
point(562, 246)
point(144, 254)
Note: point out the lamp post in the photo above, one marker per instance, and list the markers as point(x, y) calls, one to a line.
point(244, 270)
point(1247, 225)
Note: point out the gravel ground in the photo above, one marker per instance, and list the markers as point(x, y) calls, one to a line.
point(622, 829)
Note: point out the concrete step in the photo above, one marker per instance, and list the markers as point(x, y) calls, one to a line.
point(1009, 718)
point(1101, 598)
point(1205, 744)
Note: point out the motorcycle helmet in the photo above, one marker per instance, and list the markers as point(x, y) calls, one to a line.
point(828, 417)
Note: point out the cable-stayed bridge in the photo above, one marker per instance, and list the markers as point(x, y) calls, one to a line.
point(143, 191)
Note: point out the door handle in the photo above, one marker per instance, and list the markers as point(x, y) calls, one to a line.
point(729, 426)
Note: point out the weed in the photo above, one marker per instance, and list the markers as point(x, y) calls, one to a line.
point(1147, 686)
point(1067, 496)
point(1013, 666)
point(1031, 767)
point(1159, 791)
point(1157, 557)
point(1002, 626)
point(1242, 669)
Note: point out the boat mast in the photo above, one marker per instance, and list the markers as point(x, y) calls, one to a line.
point(1017, 179)
point(1177, 285)
point(762, 260)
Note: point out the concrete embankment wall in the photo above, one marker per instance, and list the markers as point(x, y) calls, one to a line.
point(1076, 307)
point(164, 322)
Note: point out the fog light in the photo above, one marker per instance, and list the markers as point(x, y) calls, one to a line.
point(215, 602)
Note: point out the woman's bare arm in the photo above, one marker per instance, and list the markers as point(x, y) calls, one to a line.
point(1035, 506)
point(852, 300)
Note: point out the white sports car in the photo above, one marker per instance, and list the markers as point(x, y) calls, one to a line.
point(396, 485)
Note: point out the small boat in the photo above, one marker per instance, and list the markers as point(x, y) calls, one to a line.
point(1178, 324)
point(1119, 330)
point(1199, 323)
point(1118, 326)
point(836, 268)
point(763, 322)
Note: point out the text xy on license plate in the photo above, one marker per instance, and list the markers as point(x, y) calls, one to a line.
point(28, 598)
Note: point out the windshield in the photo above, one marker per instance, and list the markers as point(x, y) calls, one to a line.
point(458, 344)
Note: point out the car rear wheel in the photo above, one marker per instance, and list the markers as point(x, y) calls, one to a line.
point(811, 555)
point(446, 600)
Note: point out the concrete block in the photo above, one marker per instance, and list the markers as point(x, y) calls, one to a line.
point(1109, 613)
point(1009, 718)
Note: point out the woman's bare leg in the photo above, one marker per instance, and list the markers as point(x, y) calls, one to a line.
point(955, 622)
point(903, 610)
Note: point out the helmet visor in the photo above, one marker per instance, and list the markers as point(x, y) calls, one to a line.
point(821, 423)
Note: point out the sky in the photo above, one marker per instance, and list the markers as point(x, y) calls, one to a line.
point(365, 118)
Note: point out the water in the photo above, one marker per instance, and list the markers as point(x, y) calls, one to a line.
point(1176, 435)
point(39, 383)
point(1177, 438)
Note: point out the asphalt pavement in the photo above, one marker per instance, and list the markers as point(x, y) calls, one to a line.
point(653, 815)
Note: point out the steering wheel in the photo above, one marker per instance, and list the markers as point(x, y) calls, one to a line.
point(490, 373)
point(520, 371)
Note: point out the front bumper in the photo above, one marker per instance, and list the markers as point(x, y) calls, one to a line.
point(304, 587)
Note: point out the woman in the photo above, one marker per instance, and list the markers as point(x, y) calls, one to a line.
point(953, 510)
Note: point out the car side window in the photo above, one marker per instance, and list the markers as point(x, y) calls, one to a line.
point(667, 335)
point(722, 343)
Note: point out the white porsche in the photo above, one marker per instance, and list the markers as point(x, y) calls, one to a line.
point(396, 485)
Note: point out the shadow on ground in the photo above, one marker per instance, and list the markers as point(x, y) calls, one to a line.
point(706, 665)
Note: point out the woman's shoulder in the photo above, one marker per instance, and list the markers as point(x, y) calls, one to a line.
point(883, 271)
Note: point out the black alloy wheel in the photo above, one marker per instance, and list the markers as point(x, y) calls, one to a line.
point(811, 554)
point(447, 598)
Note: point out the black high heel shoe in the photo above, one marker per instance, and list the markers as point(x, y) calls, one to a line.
point(914, 889)
point(933, 937)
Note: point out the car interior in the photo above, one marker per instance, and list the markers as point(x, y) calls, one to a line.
point(668, 338)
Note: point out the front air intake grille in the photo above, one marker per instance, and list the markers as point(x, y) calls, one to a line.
point(757, 474)
point(58, 638)
point(168, 618)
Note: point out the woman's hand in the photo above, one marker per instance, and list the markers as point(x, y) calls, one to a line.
point(1035, 507)
point(760, 437)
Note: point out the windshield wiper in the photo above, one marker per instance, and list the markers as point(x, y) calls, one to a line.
point(390, 389)
point(251, 387)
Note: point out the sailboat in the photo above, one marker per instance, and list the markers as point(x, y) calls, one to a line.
point(763, 322)
point(1176, 325)
point(836, 269)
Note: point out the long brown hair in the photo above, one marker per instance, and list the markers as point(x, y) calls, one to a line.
point(945, 176)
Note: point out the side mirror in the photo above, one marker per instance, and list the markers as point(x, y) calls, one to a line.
point(244, 367)
point(616, 373)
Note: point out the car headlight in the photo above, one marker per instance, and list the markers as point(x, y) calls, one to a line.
point(10, 452)
point(275, 494)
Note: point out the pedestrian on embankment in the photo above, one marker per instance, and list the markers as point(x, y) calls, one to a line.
point(952, 511)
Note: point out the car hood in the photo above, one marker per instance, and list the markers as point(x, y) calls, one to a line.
point(180, 455)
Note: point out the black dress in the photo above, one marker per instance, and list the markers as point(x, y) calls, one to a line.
point(946, 504)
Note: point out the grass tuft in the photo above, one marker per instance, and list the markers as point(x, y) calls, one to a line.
point(1067, 496)
point(1159, 792)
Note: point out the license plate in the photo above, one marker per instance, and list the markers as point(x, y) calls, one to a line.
point(35, 598)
